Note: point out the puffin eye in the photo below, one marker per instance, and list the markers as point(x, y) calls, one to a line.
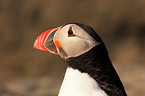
point(70, 32)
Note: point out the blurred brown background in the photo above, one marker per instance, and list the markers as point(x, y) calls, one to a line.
point(25, 71)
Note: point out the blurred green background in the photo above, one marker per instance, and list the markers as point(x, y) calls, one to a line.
point(25, 71)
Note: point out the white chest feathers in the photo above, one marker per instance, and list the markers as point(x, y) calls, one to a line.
point(76, 83)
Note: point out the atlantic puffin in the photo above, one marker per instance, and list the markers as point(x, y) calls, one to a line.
point(89, 70)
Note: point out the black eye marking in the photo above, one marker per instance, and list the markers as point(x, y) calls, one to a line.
point(70, 32)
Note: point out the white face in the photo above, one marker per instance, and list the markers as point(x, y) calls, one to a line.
point(73, 43)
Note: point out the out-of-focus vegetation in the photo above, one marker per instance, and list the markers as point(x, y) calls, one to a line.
point(120, 23)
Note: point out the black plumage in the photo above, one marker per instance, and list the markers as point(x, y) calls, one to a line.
point(97, 64)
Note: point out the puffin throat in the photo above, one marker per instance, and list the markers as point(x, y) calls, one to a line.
point(97, 64)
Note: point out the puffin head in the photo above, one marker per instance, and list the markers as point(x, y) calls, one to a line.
point(69, 40)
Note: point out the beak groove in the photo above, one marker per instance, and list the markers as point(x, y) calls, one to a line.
point(45, 41)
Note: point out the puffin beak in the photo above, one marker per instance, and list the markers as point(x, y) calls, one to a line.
point(45, 41)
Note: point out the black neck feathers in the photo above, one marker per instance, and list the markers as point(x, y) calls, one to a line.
point(98, 65)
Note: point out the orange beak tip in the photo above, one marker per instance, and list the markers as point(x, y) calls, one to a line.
point(41, 41)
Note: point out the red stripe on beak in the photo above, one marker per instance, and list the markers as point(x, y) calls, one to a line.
point(41, 40)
